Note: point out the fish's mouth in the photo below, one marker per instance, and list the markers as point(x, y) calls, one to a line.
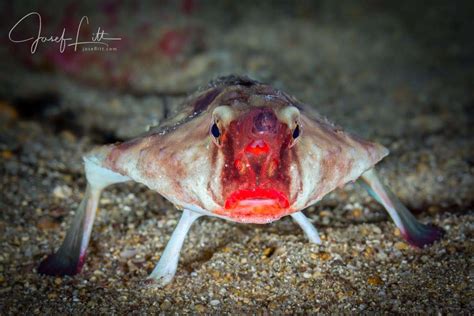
point(256, 206)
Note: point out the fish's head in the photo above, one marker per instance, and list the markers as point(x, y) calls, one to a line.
point(254, 144)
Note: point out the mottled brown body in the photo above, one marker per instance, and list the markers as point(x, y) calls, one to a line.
point(181, 161)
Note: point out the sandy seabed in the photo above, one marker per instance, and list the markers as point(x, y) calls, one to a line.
point(400, 74)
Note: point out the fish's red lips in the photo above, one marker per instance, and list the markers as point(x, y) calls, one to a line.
point(247, 197)
point(256, 206)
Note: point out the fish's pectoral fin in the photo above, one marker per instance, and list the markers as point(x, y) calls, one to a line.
point(414, 232)
point(70, 257)
point(310, 231)
point(166, 268)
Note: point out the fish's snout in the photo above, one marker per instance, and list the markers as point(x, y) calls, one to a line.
point(257, 147)
point(260, 137)
point(265, 122)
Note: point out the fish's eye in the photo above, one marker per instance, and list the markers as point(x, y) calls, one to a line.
point(296, 132)
point(215, 130)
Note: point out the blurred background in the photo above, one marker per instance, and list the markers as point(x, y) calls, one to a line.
point(397, 72)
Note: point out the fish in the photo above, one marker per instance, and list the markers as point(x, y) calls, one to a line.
point(240, 150)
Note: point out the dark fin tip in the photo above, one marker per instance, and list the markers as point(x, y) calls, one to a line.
point(427, 236)
point(56, 265)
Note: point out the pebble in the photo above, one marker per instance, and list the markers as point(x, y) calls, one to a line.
point(357, 212)
point(382, 256)
point(375, 280)
point(268, 251)
point(165, 305)
point(6, 154)
point(46, 223)
point(128, 253)
point(62, 192)
point(324, 256)
point(200, 308)
point(401, 245)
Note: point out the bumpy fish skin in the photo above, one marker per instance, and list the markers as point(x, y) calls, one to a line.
point(240, 150)
point(180, 161)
